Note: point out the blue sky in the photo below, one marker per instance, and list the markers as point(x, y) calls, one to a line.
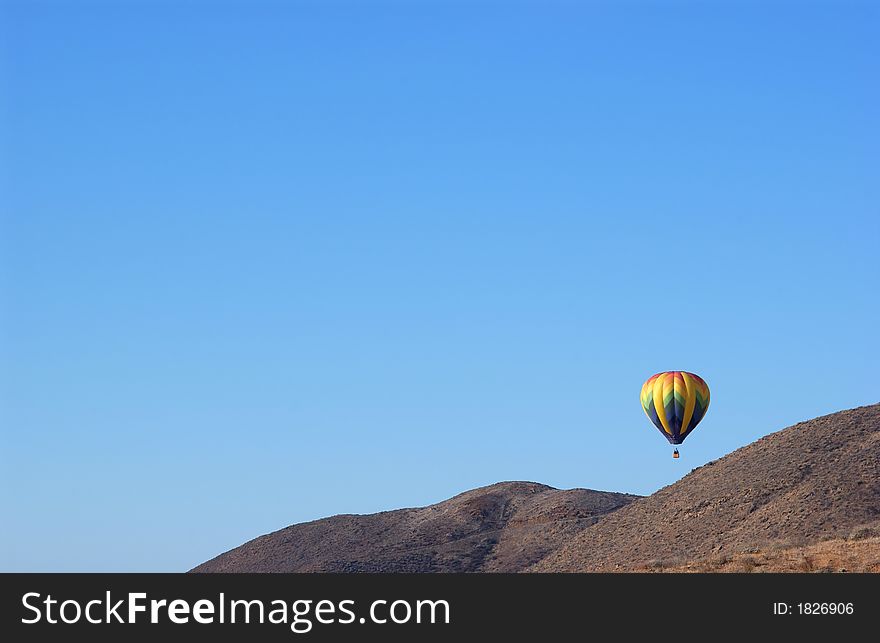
point(265, 263)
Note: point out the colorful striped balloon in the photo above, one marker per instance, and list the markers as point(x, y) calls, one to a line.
point(675, 401)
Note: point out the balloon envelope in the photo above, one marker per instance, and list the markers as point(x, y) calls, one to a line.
point(675, 401)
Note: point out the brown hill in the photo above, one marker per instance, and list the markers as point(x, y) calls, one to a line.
point(503, 527)
point(807, 483)
point(801, 491)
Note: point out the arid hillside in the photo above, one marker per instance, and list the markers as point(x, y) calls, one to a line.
point(813, 481)
point(503, 527)
point(792, 501)
point(853, 554)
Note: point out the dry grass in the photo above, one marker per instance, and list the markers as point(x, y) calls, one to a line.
point(837, 555)
point(865, 531)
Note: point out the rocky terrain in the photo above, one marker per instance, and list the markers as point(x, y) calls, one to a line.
point(795, 500)
point(815, 480)
point(854, 554)
point(505, 527)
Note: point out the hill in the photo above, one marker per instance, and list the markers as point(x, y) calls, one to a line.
point(503, 527)
point(810, 482)
point(788, 502)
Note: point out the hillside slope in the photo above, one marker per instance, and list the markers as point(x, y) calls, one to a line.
point(503, 527)
point(813, 481)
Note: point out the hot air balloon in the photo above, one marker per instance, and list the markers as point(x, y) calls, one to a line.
point(675, 401)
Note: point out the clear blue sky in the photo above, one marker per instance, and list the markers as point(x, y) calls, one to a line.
point(265, 263)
